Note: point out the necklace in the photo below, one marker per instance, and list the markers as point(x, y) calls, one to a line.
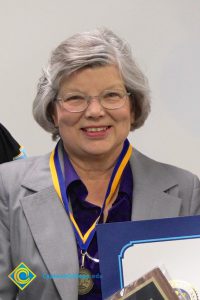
point(85, 282)
point(84, 240)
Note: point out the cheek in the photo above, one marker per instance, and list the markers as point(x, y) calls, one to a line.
point(67, 123)
point(65, 119)
point(123, 123)
point(127, 118)
point(128, 123)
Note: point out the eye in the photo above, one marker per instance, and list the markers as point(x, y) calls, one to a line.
point(112, 95)
point(73, 97)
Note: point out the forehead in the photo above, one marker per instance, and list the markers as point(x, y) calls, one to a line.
point(97, 78)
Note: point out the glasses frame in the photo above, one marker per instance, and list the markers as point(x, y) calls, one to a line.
point(98, 97)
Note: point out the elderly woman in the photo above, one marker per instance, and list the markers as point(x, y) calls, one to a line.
point(91, 96)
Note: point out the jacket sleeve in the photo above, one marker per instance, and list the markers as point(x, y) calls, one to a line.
point(195, 199)
point(8, 290)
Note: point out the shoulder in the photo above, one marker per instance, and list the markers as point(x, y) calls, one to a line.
point(161, 172)
point(157, 177)
point(15, 171)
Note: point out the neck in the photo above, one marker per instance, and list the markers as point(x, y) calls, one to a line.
point(96, 176)
point(95, 171)
point(94, 167)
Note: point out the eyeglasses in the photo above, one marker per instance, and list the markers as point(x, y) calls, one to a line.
point(78, 102)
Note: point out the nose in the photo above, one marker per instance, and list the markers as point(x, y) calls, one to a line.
point(94, 109)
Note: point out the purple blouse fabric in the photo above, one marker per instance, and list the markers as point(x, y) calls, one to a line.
point(86, 213)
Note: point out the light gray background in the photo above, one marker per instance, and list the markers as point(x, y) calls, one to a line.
point(164, 35)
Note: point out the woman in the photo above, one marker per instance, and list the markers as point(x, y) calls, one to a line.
point(91, 95)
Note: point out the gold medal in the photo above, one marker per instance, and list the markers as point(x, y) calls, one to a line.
point(85, 283)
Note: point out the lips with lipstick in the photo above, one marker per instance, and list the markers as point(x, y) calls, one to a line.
point(96, 131)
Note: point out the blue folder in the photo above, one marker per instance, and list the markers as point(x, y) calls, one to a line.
point(115, 238)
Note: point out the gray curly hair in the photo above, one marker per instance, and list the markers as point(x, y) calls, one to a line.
point(99, 47)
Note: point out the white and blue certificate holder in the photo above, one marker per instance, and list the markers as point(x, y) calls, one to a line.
point(128, 250)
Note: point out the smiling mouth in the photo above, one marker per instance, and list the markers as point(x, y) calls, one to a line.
point(95, 129)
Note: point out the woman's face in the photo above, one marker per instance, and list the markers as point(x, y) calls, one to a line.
point(95, 131)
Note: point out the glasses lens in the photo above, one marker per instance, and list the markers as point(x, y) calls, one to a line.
point(75, 102)
point(78, 102)
point(113, 99)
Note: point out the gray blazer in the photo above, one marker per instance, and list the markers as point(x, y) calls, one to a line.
point(35, 229)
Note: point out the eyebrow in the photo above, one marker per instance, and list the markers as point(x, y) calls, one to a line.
point(114, 86)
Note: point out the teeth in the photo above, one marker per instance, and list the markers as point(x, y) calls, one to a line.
point(96, 129)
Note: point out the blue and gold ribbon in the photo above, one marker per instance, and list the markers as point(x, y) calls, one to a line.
point(59, 185)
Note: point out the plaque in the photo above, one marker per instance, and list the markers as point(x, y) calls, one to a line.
point(152, 286)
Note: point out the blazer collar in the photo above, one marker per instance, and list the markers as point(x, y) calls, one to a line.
point(36, 181)
point(152, 184)
point(54, 237)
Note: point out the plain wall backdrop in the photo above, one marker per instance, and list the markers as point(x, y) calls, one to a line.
point(164, 35)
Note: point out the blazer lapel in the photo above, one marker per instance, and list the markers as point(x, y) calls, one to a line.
point(155, 193)
point(154, 204)
point(51, 228)
point(54, 237)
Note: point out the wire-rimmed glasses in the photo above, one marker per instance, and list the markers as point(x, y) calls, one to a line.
point(78, 102)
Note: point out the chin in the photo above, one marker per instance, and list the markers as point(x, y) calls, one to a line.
point(97, 152)
point(100, 150)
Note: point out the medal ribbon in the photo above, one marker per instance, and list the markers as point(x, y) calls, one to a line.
point(59, 185)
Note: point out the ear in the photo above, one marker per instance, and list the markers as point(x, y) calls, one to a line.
point(132, 117)
point(55, 120)
point(132, 121)
point(52, 110)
